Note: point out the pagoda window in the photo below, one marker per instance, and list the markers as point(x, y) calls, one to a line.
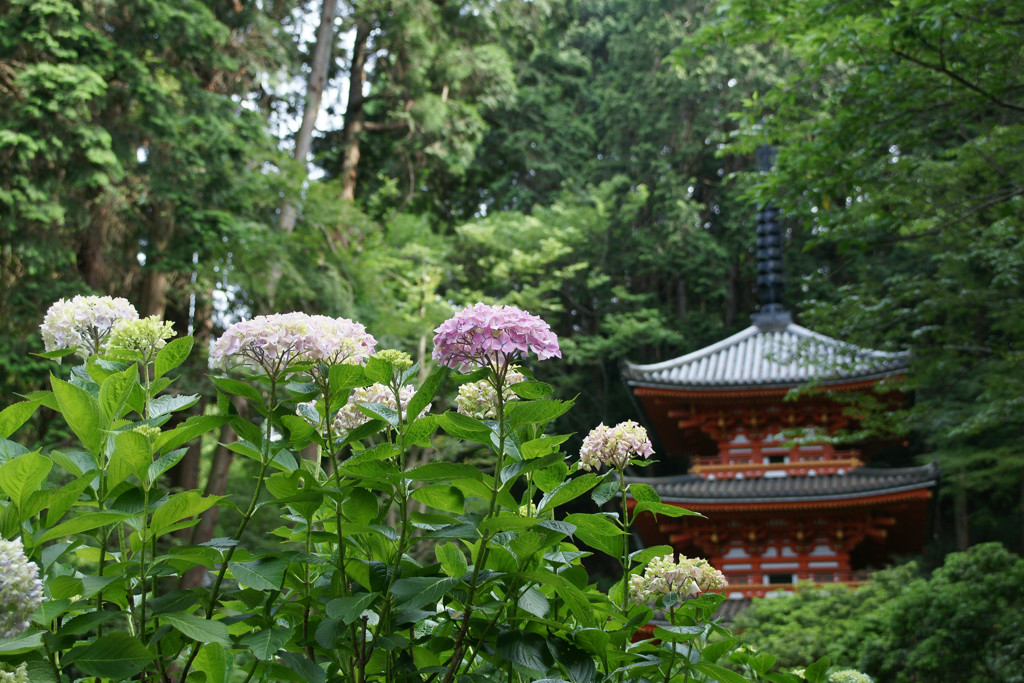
point(779, 579)
point(822, 549)
point(823, 565)
point(736, 551)
point(777, 459)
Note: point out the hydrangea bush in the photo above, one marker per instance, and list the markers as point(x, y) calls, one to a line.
point(381, 568)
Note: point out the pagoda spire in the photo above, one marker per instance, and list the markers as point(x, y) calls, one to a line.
point(770, 262)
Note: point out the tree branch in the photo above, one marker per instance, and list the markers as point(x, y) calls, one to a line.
point(941, 68)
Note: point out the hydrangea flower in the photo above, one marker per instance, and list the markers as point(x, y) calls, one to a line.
point(849, 676)
point(350, 417)
point(275, 342)
point(490, 336)
point(686, 576)
point(84, 322)
point(21, 591)
point(614, 446)
point(19, 675)
point(146, 335)
point(480, 400)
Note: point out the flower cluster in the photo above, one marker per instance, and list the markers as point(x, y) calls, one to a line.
point(663, 575)
point(400, 360)
point(849, 676)
point(614, 446)
point(84, 322)
point(19, 675)
point(147, 336)
point(275, 342)
point(480, 400)
point(21, 591)
point(490, 336)
point(350, 417)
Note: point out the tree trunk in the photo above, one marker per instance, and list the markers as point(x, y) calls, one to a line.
point(354, 113)
point(304, 138)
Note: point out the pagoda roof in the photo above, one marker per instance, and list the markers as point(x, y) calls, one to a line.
point(772, 353)
point(862, 482)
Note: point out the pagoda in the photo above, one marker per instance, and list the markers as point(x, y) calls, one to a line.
point(781, 502)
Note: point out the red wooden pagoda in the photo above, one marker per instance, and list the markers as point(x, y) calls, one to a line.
point(777, 510)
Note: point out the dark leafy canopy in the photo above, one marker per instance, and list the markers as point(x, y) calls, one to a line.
point(905, 166)
point(961, 623)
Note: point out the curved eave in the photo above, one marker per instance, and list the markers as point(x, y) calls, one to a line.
point(768, 388)
point(759, 358)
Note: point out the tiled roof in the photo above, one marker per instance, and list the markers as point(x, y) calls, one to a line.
point(765, 356)
point(862, 482)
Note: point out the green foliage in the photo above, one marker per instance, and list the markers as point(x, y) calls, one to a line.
point(903, 627)
point(347, 587)
point(899, 160)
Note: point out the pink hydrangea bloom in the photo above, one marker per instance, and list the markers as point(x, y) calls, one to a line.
point(686, 576)
point(614, 446)
point(485, 336)
point(84, 322)
point(274, 342)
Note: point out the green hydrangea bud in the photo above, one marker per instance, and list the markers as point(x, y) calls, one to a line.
point(19, 675)
point(400, 360)
point(146, 336)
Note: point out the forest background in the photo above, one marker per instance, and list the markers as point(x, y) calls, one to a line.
point(590, 161)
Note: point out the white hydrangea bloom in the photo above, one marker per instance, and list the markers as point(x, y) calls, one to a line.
point(663, 575)
point(849, 676)
point(19, 675)
point(614, 446)
point(479, 400)
point(84, 322)
point(350, 417)
point(21, 591)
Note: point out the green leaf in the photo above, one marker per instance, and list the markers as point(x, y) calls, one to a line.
point(82, 523)
point(347, 609)
point(420, 431)
point(568, 490)
point(198, 629)
point(164, 463)
point(116, 655)
point(308, 670)
point(714, 651)
point(82, 413)
point(599, 533)
point(593, 640)
point(415, 592)
point(266, 642)
point(172, 355)
point(532, 389)
point(451, 559)
point(62, 500)
point(545, 445)
point(115, 392)
point(719, 673)
point(379, 370)
point(29, 641)
point(647, 554)
point(643, 493)
point(444, 471)
point(666, 509)
point(132, 455)
point(528, 650)
point(179, 506)
point(605, 491)
point(535, 412)
point(22, 476)
point(15, 415)
point(425, 394)
point(234, 387)
point(534, 602)
point(465, 427)
point(551, 477)
point(188, 430)
point(573, 597)
point(213, 661)
point(818, 672)
point(441, 496)
point(346, 376)
point(165, 405)
point(265, 574)
point(379, 411)
point(677, 633)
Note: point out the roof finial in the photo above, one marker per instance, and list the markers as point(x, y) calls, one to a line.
point(770, 271)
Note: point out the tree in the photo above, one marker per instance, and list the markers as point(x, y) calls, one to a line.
point(905, 167)
point(960, 623)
